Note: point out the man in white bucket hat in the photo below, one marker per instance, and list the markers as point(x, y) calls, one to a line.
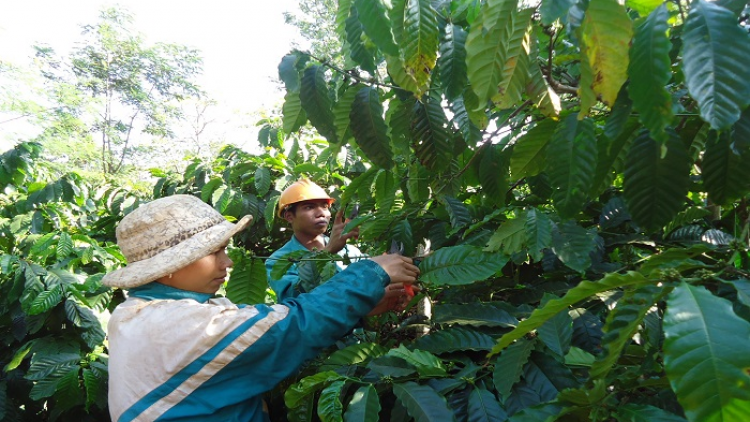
point(179, 353)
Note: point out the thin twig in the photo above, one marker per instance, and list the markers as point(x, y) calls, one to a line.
point(557, 86)
point(350, 74)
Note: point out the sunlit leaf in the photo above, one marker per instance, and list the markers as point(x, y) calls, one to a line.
point(705, 355)
point(537, 88)
point(364, 405)
point(498, 29)
point(643, 7)
point(373, 15)
point(329, 404)
point(460, 265)
point(529, 152)
point(294, 114)
point(516, 67)
point(607, 31)
point(509, 238)
point(420, 43)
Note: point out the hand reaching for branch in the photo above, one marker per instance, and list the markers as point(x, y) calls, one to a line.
point(337, 240)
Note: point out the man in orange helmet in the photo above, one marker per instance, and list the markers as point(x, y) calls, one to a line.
point(307, 208)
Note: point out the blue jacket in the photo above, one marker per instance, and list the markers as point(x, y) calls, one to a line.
point(184, 356)
point(285, 286)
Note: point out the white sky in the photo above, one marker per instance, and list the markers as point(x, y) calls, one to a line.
point(241, 41)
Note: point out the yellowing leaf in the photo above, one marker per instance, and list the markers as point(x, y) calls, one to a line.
point(421, 40)
point(607, 31)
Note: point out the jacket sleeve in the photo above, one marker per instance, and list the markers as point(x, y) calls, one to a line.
point(312, 321)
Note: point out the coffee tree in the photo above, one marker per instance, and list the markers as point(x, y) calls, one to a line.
point(568, 174)
point(576, 169)
point(56, 243)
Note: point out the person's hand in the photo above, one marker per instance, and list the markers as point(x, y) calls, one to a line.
point(337, 240)
point(397, 296)
point(399, 268)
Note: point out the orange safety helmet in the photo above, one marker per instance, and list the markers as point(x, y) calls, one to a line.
point(301, 190)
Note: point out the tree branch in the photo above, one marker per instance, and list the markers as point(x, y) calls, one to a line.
point(350, 74)
point(127, 141)
point(547, 71)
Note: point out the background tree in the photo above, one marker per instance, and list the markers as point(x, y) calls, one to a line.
point(316, 21)
point(116, 92)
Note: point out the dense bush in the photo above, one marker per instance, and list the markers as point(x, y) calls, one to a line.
point(56, 239)
point(573, 168)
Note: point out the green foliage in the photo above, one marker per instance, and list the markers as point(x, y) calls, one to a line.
point(368, 127)
point(568, 175)
point(649, 61)
point(713, 49)
point(422, 402)
point(655, 183)
point(710, 382)
point(54, 252)
point(114, 96)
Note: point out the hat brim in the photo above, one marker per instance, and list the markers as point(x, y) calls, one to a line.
point(170, 260)
point(281, 211)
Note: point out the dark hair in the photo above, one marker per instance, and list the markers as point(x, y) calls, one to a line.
point(292, 208)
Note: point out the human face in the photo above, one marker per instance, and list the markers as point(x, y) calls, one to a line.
point(310, 218)
point(205, 275)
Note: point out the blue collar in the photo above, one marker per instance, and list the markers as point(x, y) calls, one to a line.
point(299, 244)
point(156, 291)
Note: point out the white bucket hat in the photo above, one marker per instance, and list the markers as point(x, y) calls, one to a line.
point(167, 234)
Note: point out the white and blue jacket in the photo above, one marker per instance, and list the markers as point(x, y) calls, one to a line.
point(176, 355)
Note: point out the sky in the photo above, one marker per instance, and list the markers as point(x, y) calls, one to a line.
point(241, 41)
